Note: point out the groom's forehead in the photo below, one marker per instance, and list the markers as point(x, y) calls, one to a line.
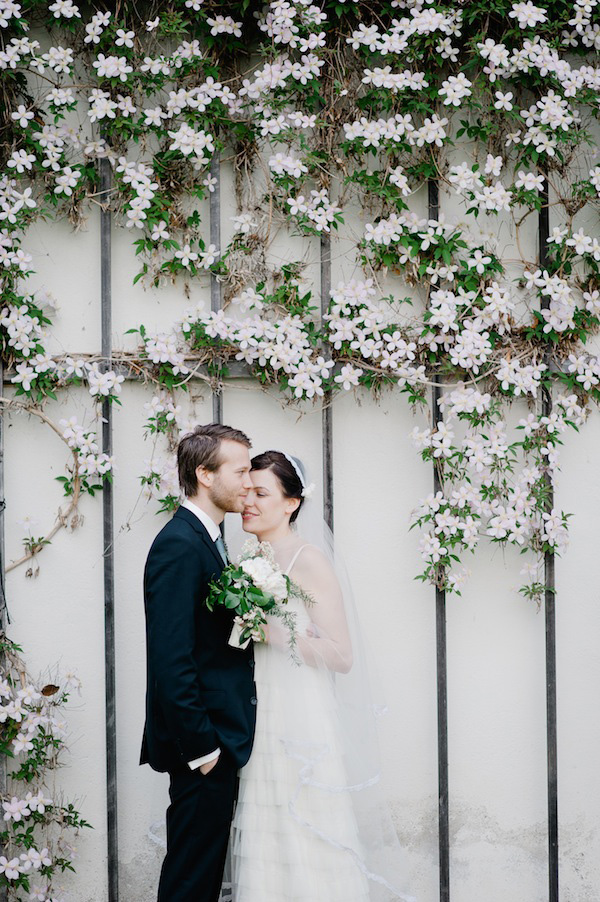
point(234, 452)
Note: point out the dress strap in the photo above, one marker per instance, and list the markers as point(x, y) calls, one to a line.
point(294, 559)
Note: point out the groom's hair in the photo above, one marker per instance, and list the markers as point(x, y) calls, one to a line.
point(201, 448)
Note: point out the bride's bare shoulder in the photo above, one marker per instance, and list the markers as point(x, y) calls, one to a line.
point(312, 563)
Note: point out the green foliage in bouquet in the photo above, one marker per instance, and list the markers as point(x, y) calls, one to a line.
point(235, 591)
point(253, 588)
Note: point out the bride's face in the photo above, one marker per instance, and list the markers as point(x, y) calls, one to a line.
point(266, 508)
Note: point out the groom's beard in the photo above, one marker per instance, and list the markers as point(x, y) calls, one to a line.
point(226, 499)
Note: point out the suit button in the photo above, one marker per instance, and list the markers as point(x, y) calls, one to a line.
point(253, 700)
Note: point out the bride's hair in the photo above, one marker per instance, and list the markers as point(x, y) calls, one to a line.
point(290, 482)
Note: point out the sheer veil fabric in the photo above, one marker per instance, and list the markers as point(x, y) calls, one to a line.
point(312, 823)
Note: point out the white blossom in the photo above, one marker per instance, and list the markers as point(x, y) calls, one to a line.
point(527, 14)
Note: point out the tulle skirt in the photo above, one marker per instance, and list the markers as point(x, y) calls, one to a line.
point(294, 836)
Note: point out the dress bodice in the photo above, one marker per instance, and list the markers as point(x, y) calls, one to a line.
point(295, 603)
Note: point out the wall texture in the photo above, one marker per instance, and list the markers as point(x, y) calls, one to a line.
point(495, 638)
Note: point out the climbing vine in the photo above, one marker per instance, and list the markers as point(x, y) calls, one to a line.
point(324, 110)
point(38, 827)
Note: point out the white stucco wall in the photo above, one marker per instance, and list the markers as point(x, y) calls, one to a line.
point(495, 638)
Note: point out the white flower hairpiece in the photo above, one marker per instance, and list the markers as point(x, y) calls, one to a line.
point(307, 490)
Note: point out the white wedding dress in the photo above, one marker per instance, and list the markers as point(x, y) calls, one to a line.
point(294, 837)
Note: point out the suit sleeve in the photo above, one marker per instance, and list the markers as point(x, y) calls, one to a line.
point(172, 580)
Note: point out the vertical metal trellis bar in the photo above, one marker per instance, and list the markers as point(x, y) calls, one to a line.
point(441, 646)
point(3, 609)
point(3, 606)
point(108, 548)
point(327, 415)
point(215, 285)
point(550, 613)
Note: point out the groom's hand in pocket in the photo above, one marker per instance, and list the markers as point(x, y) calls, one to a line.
point(206, 768)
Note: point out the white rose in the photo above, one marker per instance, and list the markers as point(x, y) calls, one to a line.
point(276, 586)
point(257, 569)
point(266, 577)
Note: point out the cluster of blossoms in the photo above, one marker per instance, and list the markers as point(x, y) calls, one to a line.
point(12, 257)
point(140, 179)
point(455, 88)
point(396, 131)
point(559, 315)
point(26, 374)
point(287, 164)
point(457, 321)
point(281, 347)
point(359, 328)
point(163, 348)
point(31, 717)
point(276, 75)
point(102, 383)
point(224, 25)
point(317, 211)
point(586, 370)
point(172, 101)
point(479, 499)
point(24, 331)
point(383, 77)
point(492, 197)
point(464, 400)
point(520, 379)
point(90, 461)
point(390, 231)
point(188, 258)
point(487, 195)
point(161, 481)
point(189, 141)
point(422, 21)
point(163, 412)
point(283, 21)
point(32, 727)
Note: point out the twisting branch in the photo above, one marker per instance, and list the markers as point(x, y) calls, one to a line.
point(64, 514)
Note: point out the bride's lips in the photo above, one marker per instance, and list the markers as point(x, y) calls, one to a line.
point(246, 515)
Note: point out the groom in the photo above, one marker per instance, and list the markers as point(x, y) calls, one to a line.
point(200, 699)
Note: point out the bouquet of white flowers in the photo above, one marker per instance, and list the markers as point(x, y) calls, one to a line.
point(252, 588)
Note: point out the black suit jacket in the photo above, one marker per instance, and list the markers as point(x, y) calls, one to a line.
point(200, 691)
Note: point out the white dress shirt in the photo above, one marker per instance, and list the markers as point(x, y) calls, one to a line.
point(214, 532)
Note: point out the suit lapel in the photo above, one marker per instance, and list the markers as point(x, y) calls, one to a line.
point(199, 527)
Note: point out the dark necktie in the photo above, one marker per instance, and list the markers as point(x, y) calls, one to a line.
point(221, 548)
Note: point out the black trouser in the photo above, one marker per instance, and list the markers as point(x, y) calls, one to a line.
point(198, 823)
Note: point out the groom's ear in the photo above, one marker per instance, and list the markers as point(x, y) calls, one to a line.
point(205, 477)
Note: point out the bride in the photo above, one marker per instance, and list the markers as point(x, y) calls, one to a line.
point(309, 825)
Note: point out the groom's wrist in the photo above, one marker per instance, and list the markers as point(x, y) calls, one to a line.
point(205, 759)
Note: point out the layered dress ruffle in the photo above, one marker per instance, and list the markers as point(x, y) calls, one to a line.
point(294, 836)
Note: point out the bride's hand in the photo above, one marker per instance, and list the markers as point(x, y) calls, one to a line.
point(277, 636)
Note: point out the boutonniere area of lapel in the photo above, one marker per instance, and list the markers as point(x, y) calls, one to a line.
point(251, 589)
